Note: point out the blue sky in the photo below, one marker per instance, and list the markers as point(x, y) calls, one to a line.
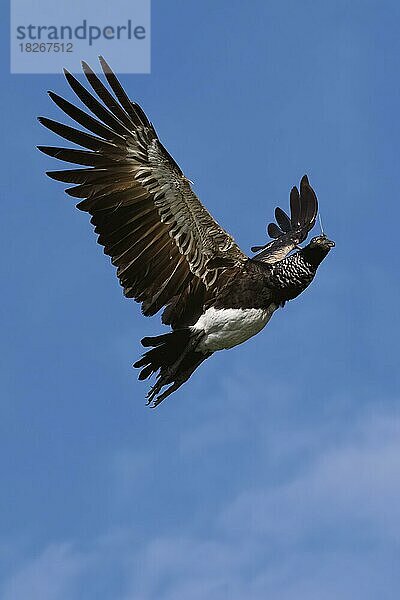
point(275, 472)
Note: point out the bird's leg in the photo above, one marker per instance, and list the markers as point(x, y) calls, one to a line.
point(168, 391)
point(172, 369)
point(180, 380)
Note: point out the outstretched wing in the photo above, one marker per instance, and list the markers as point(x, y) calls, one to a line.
point(166, 246)
point(288, 232)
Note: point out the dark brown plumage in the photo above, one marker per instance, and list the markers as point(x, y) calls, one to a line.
point(168, 250)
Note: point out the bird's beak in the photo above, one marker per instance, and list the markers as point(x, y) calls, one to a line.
point(331, 244)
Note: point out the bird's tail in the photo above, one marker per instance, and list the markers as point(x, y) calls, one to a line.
point(174, 355)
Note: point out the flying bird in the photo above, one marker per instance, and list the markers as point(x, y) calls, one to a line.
point(168, 250)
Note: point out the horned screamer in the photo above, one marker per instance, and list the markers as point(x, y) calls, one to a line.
point(168, 250)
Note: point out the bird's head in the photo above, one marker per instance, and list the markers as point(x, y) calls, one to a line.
point(321, 242)
point(317, 249)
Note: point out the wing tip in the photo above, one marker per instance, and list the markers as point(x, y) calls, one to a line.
point(85, 66)
point(43, 149)
point(305, 180)
point(45, 122)
point(303, 212)
point(107, 70)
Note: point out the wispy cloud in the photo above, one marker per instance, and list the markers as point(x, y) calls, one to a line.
point(329, 530)
point(354, 484)
point(52, 575)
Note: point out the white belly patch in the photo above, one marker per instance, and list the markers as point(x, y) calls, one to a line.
point(228, 327)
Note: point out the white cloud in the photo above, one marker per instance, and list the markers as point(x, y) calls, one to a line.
point(329, 530)
point(356, 483)
point(49, 576)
